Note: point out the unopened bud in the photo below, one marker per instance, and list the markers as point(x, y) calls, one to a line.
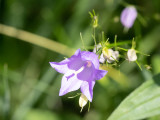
point(95, 21)
point(110, 55)
point(107, 52)
point(82, 101)
point(97, 47)
point(131, 54)
point(102, 59)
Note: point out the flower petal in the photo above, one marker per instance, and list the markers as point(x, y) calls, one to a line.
point(87, 89)
point(75, 62)
point(69, 83)
point(100, 74)
point(78, 51)
point(60, 67)
point(91, 57)
point(86, 73)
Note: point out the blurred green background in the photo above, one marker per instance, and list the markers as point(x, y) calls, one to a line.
point(29, 87)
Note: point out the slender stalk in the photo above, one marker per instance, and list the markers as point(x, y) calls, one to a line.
point(139, 65)
point(89, 105)
point(94, 34)
point(82, 41)
point(122, 48)
point(36, 40)
point(115, 42)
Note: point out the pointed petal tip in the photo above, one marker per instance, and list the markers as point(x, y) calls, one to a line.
point(90, 100)
point(61, 93)
point(100, 74)
point(89, 97)
point(104, 72)
point(52, 64)
point(78, 51)
point(87, 90)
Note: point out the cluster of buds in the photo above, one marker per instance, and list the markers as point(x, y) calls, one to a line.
point(110, 53)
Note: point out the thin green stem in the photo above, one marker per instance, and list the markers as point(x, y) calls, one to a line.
point(94, 36)
point(139, 65)
point(120, 43)
point(122, 48)
point(115, 42)
point(36, 40)
point(142, 53)
point(89, 106)
point(82, 41)
point(103, 36)
point(114, 59)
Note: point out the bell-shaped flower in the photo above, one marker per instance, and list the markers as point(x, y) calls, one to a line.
point(128, 16)
point(131, 55)
point(80, 71)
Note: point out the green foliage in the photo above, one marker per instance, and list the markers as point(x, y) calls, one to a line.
point(142, 103)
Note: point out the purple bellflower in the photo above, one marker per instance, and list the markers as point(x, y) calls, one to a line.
point(128, 16)
point(81, 70)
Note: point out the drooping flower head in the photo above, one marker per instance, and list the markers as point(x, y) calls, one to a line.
point(128, 16)
point(80, 71)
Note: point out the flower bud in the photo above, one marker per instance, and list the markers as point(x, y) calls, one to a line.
point(82, 101)
point(131, 54)
point(102, 59)
point(97, 47)
point(107, 52)
point(95, 21)
point(128, 16)
point(110, 55)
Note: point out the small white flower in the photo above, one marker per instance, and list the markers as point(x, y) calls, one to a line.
point(110, 55)
point(131, 54)
point(82, 101)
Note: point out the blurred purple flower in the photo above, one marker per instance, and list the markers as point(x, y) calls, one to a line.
point(128, 16)
point(80, 71)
